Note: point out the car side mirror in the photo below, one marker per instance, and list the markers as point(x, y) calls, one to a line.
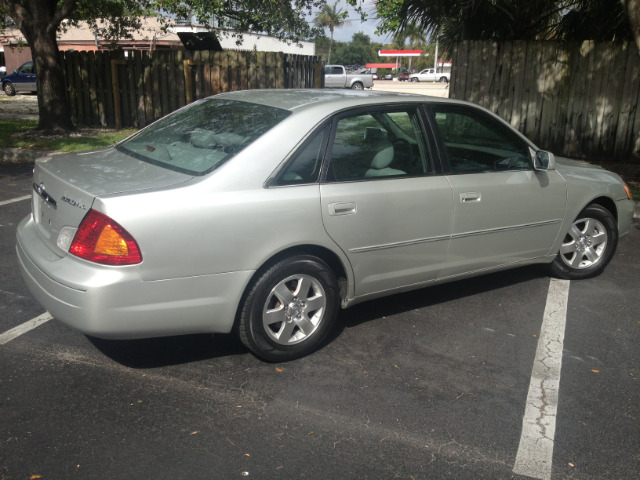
point(544, 160)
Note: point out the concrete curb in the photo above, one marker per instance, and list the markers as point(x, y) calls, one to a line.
point(18, 155)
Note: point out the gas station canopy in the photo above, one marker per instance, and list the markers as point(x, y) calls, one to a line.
point(399, 53)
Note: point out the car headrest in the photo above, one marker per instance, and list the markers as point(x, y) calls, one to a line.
point(383, 158)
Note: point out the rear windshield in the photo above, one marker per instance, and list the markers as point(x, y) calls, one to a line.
point(199, 138)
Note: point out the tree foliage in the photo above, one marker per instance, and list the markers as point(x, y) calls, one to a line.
point(453, 20)
point(359, 51)
point(40, 20)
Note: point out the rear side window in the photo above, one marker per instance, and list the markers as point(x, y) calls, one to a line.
point(199, 138)
point(304, 167)
point(378, 144)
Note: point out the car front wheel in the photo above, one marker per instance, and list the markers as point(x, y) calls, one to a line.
point(289, 310)
point(9, 89)
point(414, 79)
point(588, 246)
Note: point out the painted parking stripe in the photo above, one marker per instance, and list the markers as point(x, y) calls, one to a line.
point(535, 452)
point(14, 200)
point(9, 335)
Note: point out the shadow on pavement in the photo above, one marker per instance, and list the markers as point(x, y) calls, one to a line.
point(166, 351)
point(177, 350)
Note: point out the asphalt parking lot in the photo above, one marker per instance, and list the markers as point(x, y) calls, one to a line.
point(430, 384)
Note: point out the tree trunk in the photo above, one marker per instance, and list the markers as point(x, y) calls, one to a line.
point(330, 45)
point(53, 104)
point(632, 10)
point(38, 20)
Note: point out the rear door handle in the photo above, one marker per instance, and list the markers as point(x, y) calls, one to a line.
point(346, 208)
point(470, 197)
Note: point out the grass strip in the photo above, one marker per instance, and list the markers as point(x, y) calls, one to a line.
point(18, 133)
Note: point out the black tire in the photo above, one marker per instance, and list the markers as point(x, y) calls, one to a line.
point(290, 309)
point(588, 246)
point(9, 89)
point(444, 79)
point(415, 79)
point(357, 86)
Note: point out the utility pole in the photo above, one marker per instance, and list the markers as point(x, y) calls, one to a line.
point(435, 60)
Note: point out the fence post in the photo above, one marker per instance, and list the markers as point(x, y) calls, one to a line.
point(117, 107)
point(188, 83)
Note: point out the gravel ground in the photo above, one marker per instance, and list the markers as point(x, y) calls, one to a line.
point(19, 106)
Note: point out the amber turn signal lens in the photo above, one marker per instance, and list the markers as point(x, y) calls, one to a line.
point(102, 240)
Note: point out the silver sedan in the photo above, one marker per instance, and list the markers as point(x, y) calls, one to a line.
point(265, 212)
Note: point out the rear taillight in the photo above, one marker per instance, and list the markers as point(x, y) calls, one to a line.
point(102, 240)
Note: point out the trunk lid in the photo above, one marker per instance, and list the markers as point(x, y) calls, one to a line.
point(65, 187)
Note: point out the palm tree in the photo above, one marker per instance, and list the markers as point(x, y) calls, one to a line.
point(331, 17)
point(414, 34)
point(450, 21)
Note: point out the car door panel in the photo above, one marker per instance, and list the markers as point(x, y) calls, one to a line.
point(504, 210)
point(503, 217)
point(395, 232)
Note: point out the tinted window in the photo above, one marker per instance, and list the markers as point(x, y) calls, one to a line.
point(333, 70)
point(197, 139)
point(304, 166)
point(476, 142)
point(378, 145)
point(26, 68)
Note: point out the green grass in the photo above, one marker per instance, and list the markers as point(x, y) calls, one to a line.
point(14, 134)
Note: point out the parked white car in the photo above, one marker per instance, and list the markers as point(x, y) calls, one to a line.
point(430, 75)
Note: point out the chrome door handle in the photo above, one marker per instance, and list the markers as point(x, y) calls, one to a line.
point(470, 197)
point(347, 208)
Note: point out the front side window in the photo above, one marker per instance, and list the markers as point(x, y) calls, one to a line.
point(26, 68)
point(378, 144)
point(475, 142)
point(199, 138)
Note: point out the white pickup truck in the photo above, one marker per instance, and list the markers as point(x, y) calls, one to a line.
point(430, 75)
point(335, 76)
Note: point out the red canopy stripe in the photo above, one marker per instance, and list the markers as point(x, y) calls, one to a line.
point(380, 65)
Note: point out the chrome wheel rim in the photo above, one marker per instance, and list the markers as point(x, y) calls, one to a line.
point(294, 309)
point(585, 244)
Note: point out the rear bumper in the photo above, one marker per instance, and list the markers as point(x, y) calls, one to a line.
point(113, 302)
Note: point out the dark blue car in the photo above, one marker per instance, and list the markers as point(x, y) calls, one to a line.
point(22, 80)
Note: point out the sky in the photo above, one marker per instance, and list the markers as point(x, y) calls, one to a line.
point(345, 33)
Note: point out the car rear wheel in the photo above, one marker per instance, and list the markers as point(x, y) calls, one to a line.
point(9, 89)
point(443, 80)
point(357, 86)
point(289, 309)
point(588, 246)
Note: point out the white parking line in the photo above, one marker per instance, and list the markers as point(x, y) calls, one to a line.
point(535, 452)
point(9, 335)
point(14, 200)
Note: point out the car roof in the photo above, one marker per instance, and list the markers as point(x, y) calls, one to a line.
point(325, 99)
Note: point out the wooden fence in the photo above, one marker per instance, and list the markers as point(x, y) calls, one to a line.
point(579, 99)
point(107, 89)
